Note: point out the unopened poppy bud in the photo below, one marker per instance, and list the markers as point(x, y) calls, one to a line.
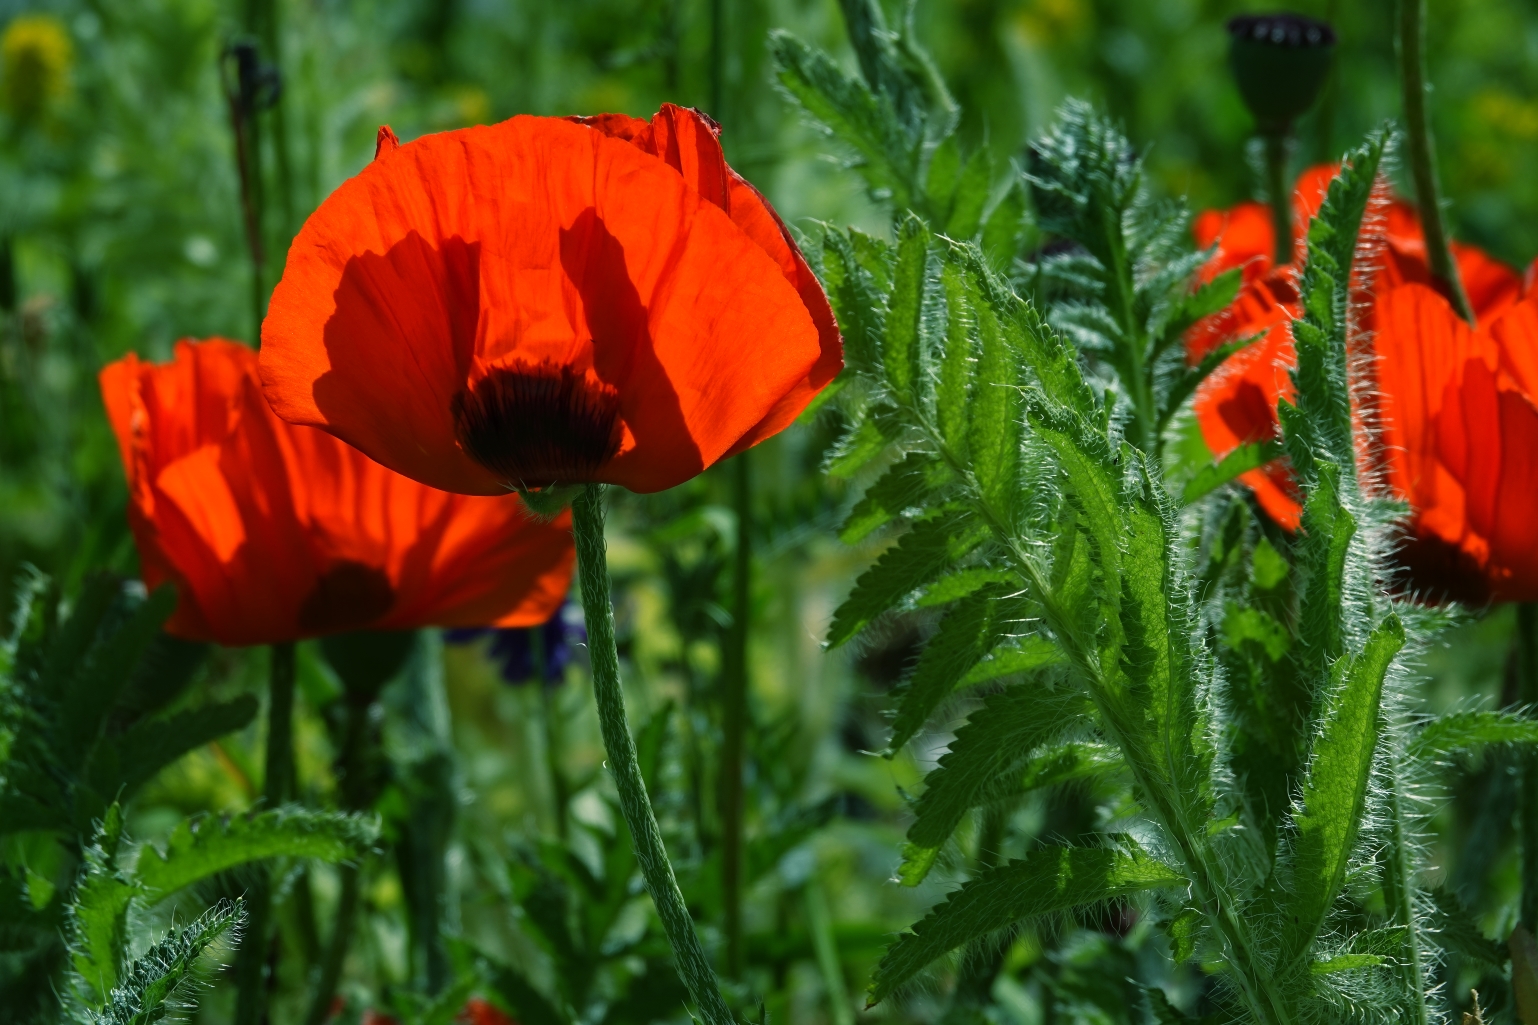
point(1280, 62)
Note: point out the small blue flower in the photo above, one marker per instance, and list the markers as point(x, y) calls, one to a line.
point(534, 652)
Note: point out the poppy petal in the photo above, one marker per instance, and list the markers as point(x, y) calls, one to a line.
point(536, 242)
point(1421, 345)
point(689, 142)
point(273, 532)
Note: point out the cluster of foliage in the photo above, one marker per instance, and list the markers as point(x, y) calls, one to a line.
point(1179, 764)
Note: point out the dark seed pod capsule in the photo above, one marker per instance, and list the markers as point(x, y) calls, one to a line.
point(1280, 62)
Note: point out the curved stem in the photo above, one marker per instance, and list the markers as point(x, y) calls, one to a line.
point(593, 568)
point(1422, 152)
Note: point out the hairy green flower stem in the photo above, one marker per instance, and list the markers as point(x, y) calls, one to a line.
point(734, 713)
point(1135, 373)
point(593, 569)
point(1278, 148)
point(1398, 895)
point(1154, 770)
point(1527, 696)
point(277, 783)
point(1422, 152)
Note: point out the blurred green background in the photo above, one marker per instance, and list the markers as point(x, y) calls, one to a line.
point(122, 228)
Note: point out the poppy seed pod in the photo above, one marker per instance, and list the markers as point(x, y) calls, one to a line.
point(1280, 62)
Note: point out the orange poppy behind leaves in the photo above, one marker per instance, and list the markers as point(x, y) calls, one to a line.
point(548, 301)
point(1460, 425)
point(1237, 404)
point(273, 532)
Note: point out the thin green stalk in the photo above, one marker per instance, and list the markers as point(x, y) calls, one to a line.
point(593, 569)
point(251, 961)
point(1527, 695)
point(1278, 147)
point(1134, 371)
point(336, 950)
point(820, 921)
point(356, 796)
point(1422, 152)
point(734, 714)
point(1398, 891)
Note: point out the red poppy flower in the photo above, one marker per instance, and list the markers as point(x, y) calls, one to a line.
point(1460, 425)
point(480, 1011)
point(1237, 404)
point(547, 301)
point(273, 532)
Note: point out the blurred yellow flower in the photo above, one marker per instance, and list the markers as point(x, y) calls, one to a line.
point(35, 57)
point(1507, 114)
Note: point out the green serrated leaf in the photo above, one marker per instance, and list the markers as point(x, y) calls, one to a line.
point(908, 484)
point(997, 736)
point(1046, 881)
point(901, 355)
point(1320, 424)
point(205, 846)
point(942, 177)
point(153, 744)
point(1455, 930)
point(857, 117)
point(957, 585)
point(1335, 789)
point(969, 631)
point(951, 391)
point(1184, 928)
point(1456, 732)
point(931, 547)
point(91, 691)
point(1002, 230)
point(1069, 762)
point(1207, 298)
point(151, 982)
point(98, 914)
point(993, 428)
point(1251, 455)
point(1346, 963)
point(861, 443)
point(1023, 656)
point(971, 196)
point(856, 295)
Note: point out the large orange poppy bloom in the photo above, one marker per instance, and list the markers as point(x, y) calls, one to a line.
point(548, 301)
point(273, 532)
point(1237, 404)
